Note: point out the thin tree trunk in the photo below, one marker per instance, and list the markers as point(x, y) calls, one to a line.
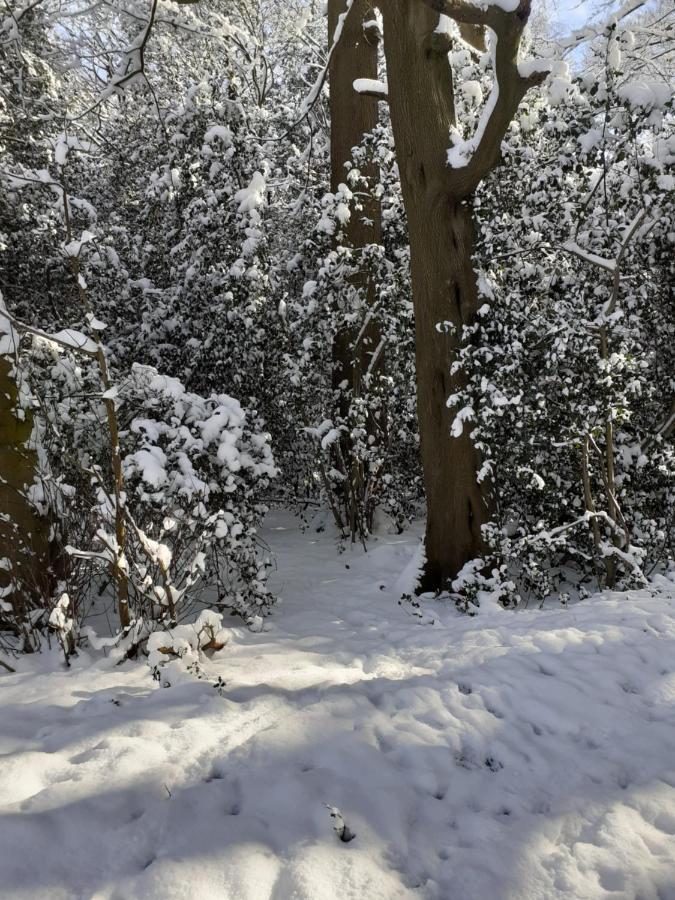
point(588, 502)
point(119, 566)
point(353, 115)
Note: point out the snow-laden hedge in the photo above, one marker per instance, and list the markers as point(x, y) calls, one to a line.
point(568, 369)
point(169, 530)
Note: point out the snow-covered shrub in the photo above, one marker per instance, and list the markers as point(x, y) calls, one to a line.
point(61, 622)
point(173, 652)
point(195, 469)
point(208, 217)
point(183, 525)
point(171, 194)
point(362, 437)
point(570, 366)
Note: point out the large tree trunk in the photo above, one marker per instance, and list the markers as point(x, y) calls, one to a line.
point(444, 284)
point(354, 115)
point(443, 281)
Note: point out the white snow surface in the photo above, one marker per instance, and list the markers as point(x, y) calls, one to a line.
point(526, 754)
point(70, 337)
point(253, 196)
point(370, 85)
point(9, 339)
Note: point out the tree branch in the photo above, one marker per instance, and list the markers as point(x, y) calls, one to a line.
point(506, 27)
point(576, 38)
point(54, 338)
point(370, 87)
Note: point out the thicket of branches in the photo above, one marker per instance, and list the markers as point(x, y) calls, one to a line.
point(175, 274)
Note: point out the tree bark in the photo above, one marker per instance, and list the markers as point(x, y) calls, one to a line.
point(438, 203)
point(354, 115)
point(23, 534)
point(443, 282)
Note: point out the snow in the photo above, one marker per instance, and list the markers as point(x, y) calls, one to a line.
point(59, 617)
point(9, 339)
point(220, 132)
point(614, 55)
point(573, 247)
point(590, 139)
point(445, 25)
point(646, 94)
point(342, 213)
point(69, 337)
point(526, 754)
point(466, 414)
point(370, 86)
point(64, 144)
point(533, 65)
point(150, 464)
point(506, 5)
point(95, 324)
point(461, 151)
point(582, 35)
point(331, 437)
point(559, 89)
point(253, 196)
point(472, 91)
point(73, 248)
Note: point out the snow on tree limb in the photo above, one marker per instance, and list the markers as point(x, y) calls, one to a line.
point(473, 14)
point(601, 261)
point(370, 87)
point(581, 35)
point(311, 98)
point(612, 265)
point(67, 338)
point(8, 337)
point(471, 160)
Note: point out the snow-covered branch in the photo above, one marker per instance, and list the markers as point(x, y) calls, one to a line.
point(471, 160)
point(581, 35)
point(67, 338)
point(370, 87)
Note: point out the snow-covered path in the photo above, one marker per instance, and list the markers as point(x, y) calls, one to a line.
point(514, 755)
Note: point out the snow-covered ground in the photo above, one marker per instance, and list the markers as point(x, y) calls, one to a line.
point(513, 755)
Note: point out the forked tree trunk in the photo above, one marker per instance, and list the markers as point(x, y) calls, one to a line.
point(443, 282)
point(438, 203)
